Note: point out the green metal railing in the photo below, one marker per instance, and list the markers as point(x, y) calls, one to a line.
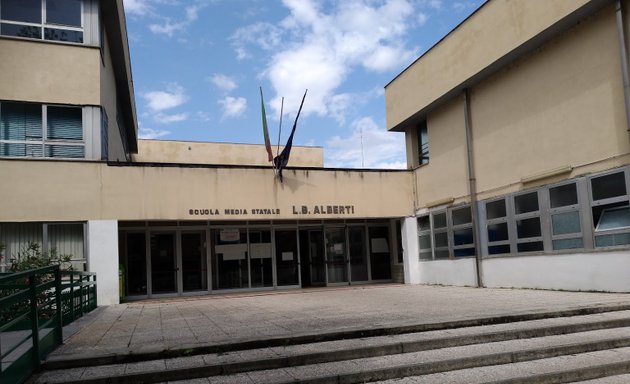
point(34, 306)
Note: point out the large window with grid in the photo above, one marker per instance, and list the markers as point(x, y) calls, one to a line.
point(610, 207)
point(445, 233)
point(57, 20)
point(36, 130)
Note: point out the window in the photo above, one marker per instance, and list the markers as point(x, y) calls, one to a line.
point(423, 143)
point(58, 20)
point(35, 130)
point(611, 209)
point(527, 218)
point(445, 233)
point(497, 226)
point(566, 230)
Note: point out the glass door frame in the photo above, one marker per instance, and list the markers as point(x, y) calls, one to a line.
point(177, 262)
point(295, 229)
point(346, 261)
point(366, 251)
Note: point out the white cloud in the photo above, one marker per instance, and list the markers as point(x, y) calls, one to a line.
point(169, 27)
point(148, 133)
point(326, 46)
point(174, 96)
point(136, 7)
point(233, 106)
point(422, 18)
point(163, 118)
point(368, 146)
point(223, 82)
point(265, 35)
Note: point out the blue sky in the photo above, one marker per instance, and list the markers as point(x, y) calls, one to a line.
point(198, 65)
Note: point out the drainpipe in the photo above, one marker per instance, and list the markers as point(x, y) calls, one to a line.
point(472, 186)
point(624, 62)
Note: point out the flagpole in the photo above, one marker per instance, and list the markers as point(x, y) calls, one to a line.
point(280, 130)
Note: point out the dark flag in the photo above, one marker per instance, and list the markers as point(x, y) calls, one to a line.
point(265, 131)
point(282, 159)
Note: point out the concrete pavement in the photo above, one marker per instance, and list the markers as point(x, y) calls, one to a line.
point(155, 325)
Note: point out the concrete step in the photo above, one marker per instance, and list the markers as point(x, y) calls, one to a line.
point(81, 360)
point(377, 358)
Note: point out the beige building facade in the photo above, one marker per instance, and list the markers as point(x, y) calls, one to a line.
point(516, 127)
point(517, 134)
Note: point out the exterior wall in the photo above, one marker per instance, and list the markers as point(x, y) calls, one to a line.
point(102, 237)
point(602, 271)
point(410, 250)
point(39, 72)
point(187, 152)
point(449, 272)
point(445, 176)
point(559, 106)
point(109, 100)
point(451, 62)
point(100, 192)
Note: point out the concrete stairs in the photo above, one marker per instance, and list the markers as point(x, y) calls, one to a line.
point(555, 347)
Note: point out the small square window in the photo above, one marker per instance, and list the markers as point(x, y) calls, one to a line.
point(462, 216)
point(441, 239)
point(528, 228)
point(28, 11)
point(526, 203)
point(530, 247)
point(425, 242)
point(463, 236)
point(439, 220)
point(424, 223)
point(563, 195)
point(614, 218)
point(495, 209)
point(565, 223)
point(498, 232)
point(605, 187)
point(64, 12)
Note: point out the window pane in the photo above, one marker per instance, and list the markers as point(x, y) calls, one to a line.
point(498, 249)
point(526, 203)
point(63, 35)
point(68, 151)
point(439, 220)
point(611, 240)
point(66, 12)
point(426, 255)
point(441, 254)
point(530, 247)
point(497, 232)
point(495, 209)
point(425, 242)
point(29, 11)
point(65, 123)
point(614, 218)
point(19, 149)
point(462, 216)
point(21, 31)
point(463, 236)
point(564, 223)
point(20, 121)
point(423, 143)
point(423, 223)
point(464, 252)
point(608, 186)
point(563, 196)
point(568, 244)
point(441, 239)
point(528, 228)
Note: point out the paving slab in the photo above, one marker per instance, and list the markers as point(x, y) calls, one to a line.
point(135, 327)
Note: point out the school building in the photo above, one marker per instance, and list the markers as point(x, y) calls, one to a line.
point(518, 150)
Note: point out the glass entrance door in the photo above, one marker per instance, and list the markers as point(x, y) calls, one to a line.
point(336, 255)
point(287, 262)
point(358, 254)
point(194, 268)
point(317, 257)
point(163, 263)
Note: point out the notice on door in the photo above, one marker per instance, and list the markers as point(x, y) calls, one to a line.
point(287, 256)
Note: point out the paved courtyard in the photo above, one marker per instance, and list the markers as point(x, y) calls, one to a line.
point(154, 325)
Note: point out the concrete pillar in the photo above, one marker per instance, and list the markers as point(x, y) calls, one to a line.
point(410, 250)
point(102, 240)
